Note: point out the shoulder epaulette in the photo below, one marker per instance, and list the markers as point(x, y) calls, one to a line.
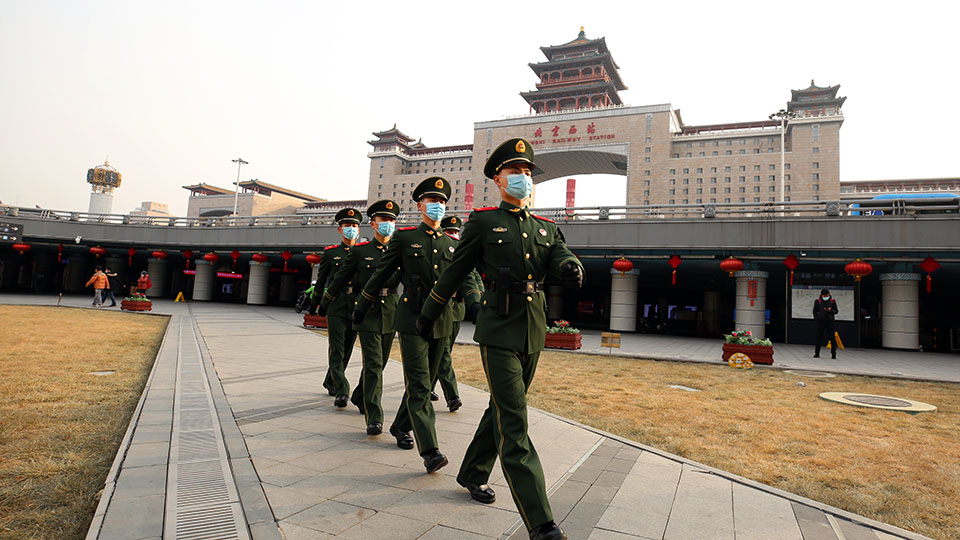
point(406, 228)
point(543, 218)
point(361, 244)
point(331, 247)
point(485, 208)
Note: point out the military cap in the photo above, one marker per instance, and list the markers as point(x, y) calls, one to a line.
point(511, 151)
point(451, 222)
point(348, 215)
point(384, 207)
point(435, 186)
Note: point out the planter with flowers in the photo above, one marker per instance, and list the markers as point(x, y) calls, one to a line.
point(314, 321)
point(136, 302)
point(760, 351)
point(562, 336)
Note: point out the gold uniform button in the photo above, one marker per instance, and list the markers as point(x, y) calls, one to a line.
point(524, 235)
point(527, 255)
point(484, 302)
point(434, 250)
point(529, 276)
point(548, 243)
point(500, 241)
point(404, 298)
point(529, 299)
point(434, 267)
point(416, 254)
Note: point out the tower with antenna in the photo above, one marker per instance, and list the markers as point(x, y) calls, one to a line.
point(103, 179)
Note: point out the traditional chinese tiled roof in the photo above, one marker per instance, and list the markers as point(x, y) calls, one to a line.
point(580, 41)
point(583, 89)
point(606, 59)
point(207, 189)
point(265, 189)
point(392, 133)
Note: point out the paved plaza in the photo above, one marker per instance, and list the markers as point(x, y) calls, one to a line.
point(234, 437)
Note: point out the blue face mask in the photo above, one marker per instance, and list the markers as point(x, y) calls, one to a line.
point(351, 233)
point(436, 210)
point(386, 228)
point(519, 186)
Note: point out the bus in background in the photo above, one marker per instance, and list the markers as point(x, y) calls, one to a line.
point(909, 203)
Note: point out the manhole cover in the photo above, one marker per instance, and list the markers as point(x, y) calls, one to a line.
point(878, 402)
point(809, 373)
point(101, 373)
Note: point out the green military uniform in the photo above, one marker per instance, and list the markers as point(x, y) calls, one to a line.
point(421, 253)
point(514, 250)
point(376, 330)
point(340, 336)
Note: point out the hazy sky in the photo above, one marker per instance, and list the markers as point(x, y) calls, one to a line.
point(172, 91)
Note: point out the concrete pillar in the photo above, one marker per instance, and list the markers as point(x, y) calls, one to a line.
point(314, 270)
point(554, 302)
point(259, 279)
point(288, 287)
point(77, 273)
point(203, 281)
point(901, 310)
point(712, 311)
point(752, 302)
point(623, 301)
point(158, 270)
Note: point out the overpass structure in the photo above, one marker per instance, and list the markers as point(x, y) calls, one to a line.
point(890, 307)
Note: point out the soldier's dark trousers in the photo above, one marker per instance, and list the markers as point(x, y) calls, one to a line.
point(503, 432)
point(445, 374)
point(376, 349)
point(421, 358)
point(826, 327)
point(340, 339)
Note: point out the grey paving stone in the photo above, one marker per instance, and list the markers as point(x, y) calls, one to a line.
point(147, 454)
point(702, 509)
point(331, 517)
point(155, 418)
point(440, 532)
point(480, 519)
point(566, 497)
point(265, 531)
point(855, 531)
point(292, 531)
point(140, 482)
point(286, 501)
point(610, 479)
point(601, 534)
point(600, 494)
point(585, 474)
point(813, 523)
point(149, 434)
point(760, 516)
point(644, 521)
point(584, 516)
point(629, 452)
point(133, 517)
point(621, 465)
point(386, 527)
point(372, 496)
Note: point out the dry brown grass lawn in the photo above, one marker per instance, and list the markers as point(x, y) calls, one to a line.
point(60, 427)
point(890, 466)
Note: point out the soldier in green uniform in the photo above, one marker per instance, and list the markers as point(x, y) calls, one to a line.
point(514, 250)
point(445, 374)
point(376, 330)
point(340, 336)
point(421, 253)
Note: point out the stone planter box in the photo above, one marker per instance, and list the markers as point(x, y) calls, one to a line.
point(758, 354)
point(314, 321)
point(136, 305)
point(562, 341)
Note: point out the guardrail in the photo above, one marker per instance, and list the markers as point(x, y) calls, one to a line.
point(860, 208)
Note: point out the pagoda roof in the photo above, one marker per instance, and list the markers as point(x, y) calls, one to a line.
point(207, 189)
point(261, 187)
point(580, 89)
point(422, 150)
point(604, 58)
point(813, 103)
point(814, 89)
point(580, 41)
point(392, 133)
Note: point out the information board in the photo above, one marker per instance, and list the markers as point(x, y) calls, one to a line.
point(11, 233)
point(803, 296)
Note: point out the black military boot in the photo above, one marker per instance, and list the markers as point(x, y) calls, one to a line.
point(548, 531)
point(434, 461)
point(404, 440)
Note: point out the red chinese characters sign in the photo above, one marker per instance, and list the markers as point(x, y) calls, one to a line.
point(568, 133)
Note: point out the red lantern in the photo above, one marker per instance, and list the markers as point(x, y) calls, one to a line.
point(211, 258)
point(97, 251)
point(187, 255)
point(130, 253)
point(792, 263)
point(731, 265)
point(22, 248)
point(674, 263)
point(159, 254)
point(260, 258)
point(858, 269)
point(929, 265)
point(622, 265)
point(286, 257)
point(59, 252)
point(313, 259)
point(234, 255)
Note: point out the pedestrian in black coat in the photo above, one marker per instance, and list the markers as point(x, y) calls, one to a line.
point(825, 312)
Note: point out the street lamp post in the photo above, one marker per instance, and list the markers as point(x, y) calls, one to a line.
point(236, 187)
point(783, 116)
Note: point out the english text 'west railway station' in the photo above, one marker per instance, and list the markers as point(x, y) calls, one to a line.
point(766, 193)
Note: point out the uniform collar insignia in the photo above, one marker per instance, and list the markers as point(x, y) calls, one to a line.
point(368, 258)
point(499, 229)
point(416, 246)
point(543, 232)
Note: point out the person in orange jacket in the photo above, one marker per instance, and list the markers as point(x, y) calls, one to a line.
point(100, 283)
point(143, 282)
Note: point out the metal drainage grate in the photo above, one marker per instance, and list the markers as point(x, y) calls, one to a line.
point(879, 401)
point(198, 446)
point(217, 522)
point(201, 483)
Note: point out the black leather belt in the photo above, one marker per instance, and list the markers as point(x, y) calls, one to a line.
point(517, 287)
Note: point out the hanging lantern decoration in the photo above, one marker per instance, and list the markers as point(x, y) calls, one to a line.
point(731, 264)
point(159, 254)
point(234, 255)
point(260, 258)
point(929, 265)
point(674, 263)
point(130, 253)
point(187, 255)
point(792, 263)
point(97, 251)
point(22, 248)
point(858, 269)
point(622, 265)
point(286, 257)
point(313, 259)
point(211, 258)
point(59, 253)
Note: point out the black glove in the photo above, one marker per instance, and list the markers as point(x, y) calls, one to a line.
point(572, 275)
point(472, 311)
point(313, 308)
point(425, 327)
point(321, 310)
point(358, 315)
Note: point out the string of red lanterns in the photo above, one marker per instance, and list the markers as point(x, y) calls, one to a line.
point(929, 265)
point(792, 263)
point(674, 262)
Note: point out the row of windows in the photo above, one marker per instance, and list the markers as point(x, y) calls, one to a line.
point(435, 162)
point(742, 168)
point(414, 184)
point(729, 142)
point(726, 179)
point(727, 199)
point(699, 191)
point(770, 150)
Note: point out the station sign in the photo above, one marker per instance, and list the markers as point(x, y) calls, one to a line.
point(11, 232)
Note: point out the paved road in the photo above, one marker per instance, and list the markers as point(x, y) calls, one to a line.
point(234, 437)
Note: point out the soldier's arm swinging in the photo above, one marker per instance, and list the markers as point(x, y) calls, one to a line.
point(343, 276)
point(387, 267)
point(465, 258)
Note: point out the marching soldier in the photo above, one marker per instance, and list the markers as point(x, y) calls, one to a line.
point(445, 374)
point(514, 250)
point(340, 336)
point(421, 253)
point(376, 330)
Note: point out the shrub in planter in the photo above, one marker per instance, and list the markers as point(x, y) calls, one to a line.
point(760, 351)
point(314, 321)
point(136, 302)
point(562, 336)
